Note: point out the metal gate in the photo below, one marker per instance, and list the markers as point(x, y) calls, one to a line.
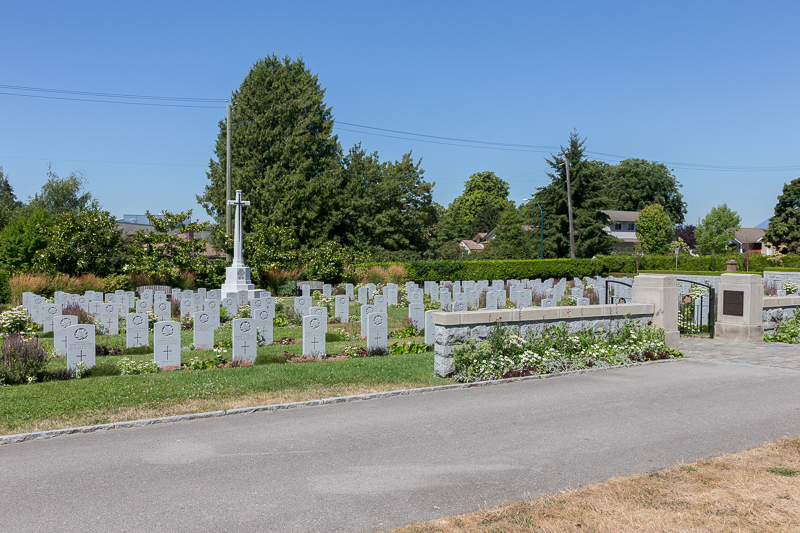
point(696, 311)
point(616, 299)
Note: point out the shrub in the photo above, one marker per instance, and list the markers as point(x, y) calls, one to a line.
point(396, 274)
point(76, 310)
point(21, 360)
point(287, 288)
point(376, 274)
point(35, 283)
point(118, 282)
point(87, 282)
point(15, 320)
point(5, 292)
point(129, 366)
point(271, 358)
point(276, 279)
point(106, 369)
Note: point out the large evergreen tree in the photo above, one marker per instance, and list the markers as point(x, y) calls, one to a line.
point(636, 183)
point(285, 158)
point(784, 226)
point(8, 200)
point(588, 199)
point(382, 206)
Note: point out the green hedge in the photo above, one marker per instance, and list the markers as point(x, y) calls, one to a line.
point(5, 291)
point(456, 270)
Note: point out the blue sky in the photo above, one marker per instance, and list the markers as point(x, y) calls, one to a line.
point(710, 88)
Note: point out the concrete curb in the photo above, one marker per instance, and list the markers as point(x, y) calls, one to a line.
point(41, 435)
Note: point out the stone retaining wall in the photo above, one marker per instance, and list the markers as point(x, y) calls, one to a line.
point(777, 309)
point(453, 329)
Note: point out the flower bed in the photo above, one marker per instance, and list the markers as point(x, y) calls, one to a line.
point(507, 354)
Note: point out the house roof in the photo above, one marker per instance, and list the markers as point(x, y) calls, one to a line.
point(622, 216)
point(471, 245)
point(479, 237)
point(750, 235)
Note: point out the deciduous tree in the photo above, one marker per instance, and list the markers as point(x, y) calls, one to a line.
point(716, 230)
point(636, 183)
point(477, 209)
point(654, 229)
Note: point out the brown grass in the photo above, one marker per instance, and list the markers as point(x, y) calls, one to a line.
point(200, 405)
point(376, 274)
point(732, 493)
point(35, 283)
point(396, 273)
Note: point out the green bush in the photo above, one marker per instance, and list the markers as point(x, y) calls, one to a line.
point(5, 291)
point(117, 282)
point(21, 360)
point(287, 288)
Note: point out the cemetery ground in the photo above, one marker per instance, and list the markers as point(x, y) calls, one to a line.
point(754, 490)
point(104, 399)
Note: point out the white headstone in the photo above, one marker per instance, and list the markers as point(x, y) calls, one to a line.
point(167, 343)
point(48, 312)
point(377, 332)
point(582, 301)
point(444, 298)
point(60, 325)
point(365, 311)
point(109, 319)
point(416, 312)
point(305, 290)
point(203, 331)
point(163, 311)
point(313, 336)
point(430, 333)
point(363, 295)
point(342, 308)
point(320, 311)
point(548, 302)
point(491, 300)
point(231, 306)
point(80, 345)
point(326, 290)
point(137, 330)
point(212, 308)
point(245, 340)
point(301, 305)
point(348, 291)
point(263, 318)
point(379, 301)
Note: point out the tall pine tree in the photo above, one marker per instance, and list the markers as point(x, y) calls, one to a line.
point(588, 198)
point(285, 158)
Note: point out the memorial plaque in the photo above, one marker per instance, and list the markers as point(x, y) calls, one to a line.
point(733, 303)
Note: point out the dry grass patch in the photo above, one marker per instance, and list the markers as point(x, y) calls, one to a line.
point(756, 490)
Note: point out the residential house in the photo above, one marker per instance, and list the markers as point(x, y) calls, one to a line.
point(751, 239)
point(622, 225)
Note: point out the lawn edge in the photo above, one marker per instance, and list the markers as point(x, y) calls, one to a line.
point(42, 435)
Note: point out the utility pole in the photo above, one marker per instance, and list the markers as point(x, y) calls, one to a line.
point(569, 208)
point(228, 177)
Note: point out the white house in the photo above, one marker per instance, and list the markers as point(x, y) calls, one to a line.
point(622, 225)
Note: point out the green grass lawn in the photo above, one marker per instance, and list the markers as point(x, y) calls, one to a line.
point(96, 400)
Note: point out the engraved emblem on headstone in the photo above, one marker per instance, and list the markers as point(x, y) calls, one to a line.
point(264, 315)
point(137, 320)
point(244, 327)
point(167, 330)
point(204, 318)
point(314, 323)
point(378, 320)
point(81, 334)
point(65, 322)
point(240, 273)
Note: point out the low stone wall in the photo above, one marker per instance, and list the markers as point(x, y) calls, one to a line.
point(777, 309)
point(453, 329)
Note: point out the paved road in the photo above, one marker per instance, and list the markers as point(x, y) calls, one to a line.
point(370, 465)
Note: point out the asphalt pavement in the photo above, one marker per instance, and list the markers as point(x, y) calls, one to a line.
point(371, 465)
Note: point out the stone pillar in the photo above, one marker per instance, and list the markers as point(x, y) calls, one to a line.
point(661, 290)
point(741, 303)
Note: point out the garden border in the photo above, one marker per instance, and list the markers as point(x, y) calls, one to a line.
point(42, 435)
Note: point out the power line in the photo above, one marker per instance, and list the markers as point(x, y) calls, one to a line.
point(110, 95)
point(109, 101)
point(444, 143)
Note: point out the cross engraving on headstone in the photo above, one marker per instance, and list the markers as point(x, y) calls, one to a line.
point(244, 346)
point(314, 343)
point(81, 356)
point(166, 351)
point(137, 337)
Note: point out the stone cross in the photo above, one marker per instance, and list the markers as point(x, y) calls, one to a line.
point(237, 232)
